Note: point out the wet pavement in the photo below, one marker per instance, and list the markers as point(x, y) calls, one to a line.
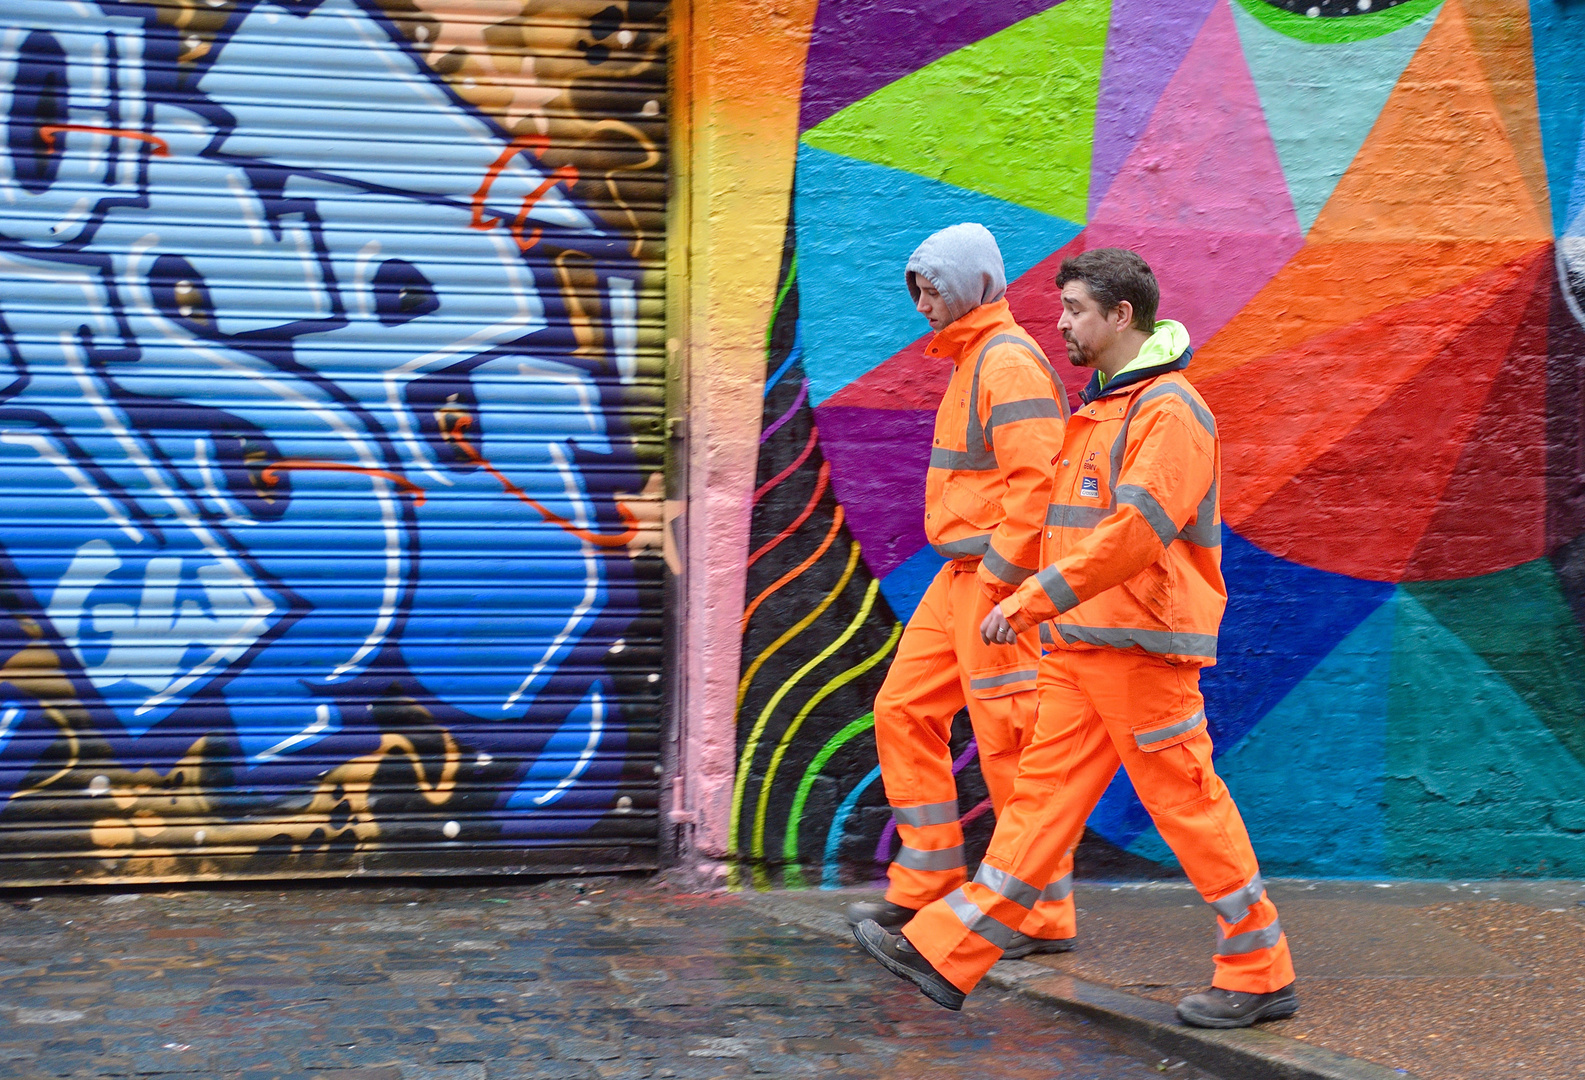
point(1461, 980)
point(607, 978)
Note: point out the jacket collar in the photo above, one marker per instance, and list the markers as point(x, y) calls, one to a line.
point(1131, 378)
point(958, 338)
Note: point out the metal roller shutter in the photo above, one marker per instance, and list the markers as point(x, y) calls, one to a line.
point(330, 436)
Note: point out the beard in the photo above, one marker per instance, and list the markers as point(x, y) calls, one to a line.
point(1076, 354)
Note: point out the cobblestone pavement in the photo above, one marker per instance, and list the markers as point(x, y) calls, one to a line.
point(600, 978)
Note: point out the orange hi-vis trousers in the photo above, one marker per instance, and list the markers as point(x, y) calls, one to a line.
point(941, 666)
point(1098, 708)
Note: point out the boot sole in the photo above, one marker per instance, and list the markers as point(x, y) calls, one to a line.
point(926, 986)
point(1276, 1010)
point(1041, 945)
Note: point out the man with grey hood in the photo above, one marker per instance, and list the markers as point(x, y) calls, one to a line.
point(998, 432)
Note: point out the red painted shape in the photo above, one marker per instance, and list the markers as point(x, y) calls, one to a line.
point(566, 174)
point(272, 474)
point(1365, 506)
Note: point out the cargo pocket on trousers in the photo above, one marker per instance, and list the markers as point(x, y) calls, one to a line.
point(1159, 736)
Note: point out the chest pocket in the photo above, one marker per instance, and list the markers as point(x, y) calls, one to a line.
point(968, 506)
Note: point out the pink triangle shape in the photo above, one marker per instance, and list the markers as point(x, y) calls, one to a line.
point(1206, 161)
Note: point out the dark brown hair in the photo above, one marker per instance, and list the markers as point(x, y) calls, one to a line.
point(1113, 275)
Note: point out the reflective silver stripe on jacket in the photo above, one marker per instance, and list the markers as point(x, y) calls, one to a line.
point(1120, 444)
point(1057, 589)
point(936, 813)
point(1234, 907)
point(968, 547)
point(941, 859)
point(1011, 573)
point(1154, 513)
point(1010, 412)
point(1161, 642)
point(959, 460)
point(1004, 884)
point(1045, 634)
point(991, 682)
point(978, 436)
point(976, 920)
point(1149, 739)
point(1254, 940)
point(1070, 516)
point(1060, 889)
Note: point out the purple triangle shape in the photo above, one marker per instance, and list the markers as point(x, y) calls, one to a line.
point(1145, 44)
point(859, 46)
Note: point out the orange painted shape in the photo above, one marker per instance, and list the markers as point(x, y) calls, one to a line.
point(1280, 414)
point(49, 131)
point(1500, 32)
point(1364, 506)
point(1438, 165)
point(272, 474)
point(1326, 287)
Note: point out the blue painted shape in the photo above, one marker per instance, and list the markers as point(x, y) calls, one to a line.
point(1308, 777)
point(857, 225)
point(1476, 784)
point(1282, 619)
point(905, 586)
point(1558, 32)
point(566, 756)
point(1321, 100)
point(829, 878)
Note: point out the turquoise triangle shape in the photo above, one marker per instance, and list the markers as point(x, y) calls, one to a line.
point(1322, 99)
point(1476, 785)
point(857, 223)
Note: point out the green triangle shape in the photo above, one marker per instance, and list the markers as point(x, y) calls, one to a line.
point(1476, 785)
point(1011, 116)
point(1520, 624)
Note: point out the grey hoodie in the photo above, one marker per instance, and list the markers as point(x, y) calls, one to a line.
point(965, 266)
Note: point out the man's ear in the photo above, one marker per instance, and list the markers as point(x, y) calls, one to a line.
point(1123, 315)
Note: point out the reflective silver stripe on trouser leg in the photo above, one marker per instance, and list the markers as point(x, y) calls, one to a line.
point(1060, 889)
point(974, 919)
point(1004, 884)
point(1253, 941)
point(940, 859)
point(1234, 907)
point(1145, 740)
point(936, 813)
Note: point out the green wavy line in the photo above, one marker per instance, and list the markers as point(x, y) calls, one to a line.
point(835, 743)
point(786, 287)
point(748, 756)
point(820, 695)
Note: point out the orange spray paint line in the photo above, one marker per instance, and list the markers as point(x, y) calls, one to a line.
point(564, 174)
point(621, 539)
point(49, 131)
point(272, 474)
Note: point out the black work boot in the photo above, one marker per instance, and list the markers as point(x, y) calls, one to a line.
point(898, 956)
point(887, 915)
point(1023, 945)
point(1215, 1008)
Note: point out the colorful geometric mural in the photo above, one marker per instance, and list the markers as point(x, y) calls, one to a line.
point(1371, 218)
point(330, 434)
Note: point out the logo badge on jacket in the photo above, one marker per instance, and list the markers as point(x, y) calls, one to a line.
point(1091, 487)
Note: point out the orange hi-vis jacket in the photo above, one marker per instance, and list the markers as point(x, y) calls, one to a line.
point(998, 432)
point(1132, 555)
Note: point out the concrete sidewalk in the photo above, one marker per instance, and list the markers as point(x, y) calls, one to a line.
point(1443, 981)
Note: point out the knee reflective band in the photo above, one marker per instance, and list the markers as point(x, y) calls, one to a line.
point(1060, 889)
point(941, 859)
point(1000, 881)
point(991, 682)
point(976, 920)
point(1234, 907)
point(936, 813)
point(1149, 740)
point(1253, 941)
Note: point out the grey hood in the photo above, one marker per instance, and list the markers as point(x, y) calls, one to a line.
point(964, 264)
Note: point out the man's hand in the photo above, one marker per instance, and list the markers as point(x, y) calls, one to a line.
point(996, 630)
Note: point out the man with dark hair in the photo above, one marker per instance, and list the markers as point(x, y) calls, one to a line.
point(1128, 605)
point(998, 431)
